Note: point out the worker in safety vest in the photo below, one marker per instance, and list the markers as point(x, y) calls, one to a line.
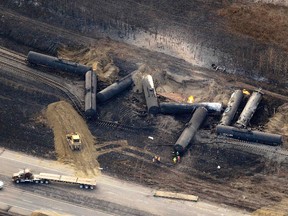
point(156, 159)
point(174, 160)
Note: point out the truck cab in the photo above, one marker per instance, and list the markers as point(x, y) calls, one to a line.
point(24, 175)
point(74, 141)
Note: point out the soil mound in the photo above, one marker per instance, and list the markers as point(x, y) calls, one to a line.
point(182, 87)
point(47, 213)
point(63, 119)
point(98, 59)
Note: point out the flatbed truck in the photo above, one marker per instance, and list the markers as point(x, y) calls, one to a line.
point(26, 175)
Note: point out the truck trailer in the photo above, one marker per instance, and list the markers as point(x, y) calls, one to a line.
point(25, 175)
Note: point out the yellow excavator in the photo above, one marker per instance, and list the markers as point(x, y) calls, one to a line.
point(74, 141)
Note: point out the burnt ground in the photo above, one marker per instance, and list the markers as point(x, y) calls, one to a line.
point(246, 179)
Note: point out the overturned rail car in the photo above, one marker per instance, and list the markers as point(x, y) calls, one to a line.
point(90, 94)
point(232, 107)
point(150, 94)
point(248, 135)
point(181, 108)
point(115, 88)
point(249, 109)
point(52, 62)
point(189, 132)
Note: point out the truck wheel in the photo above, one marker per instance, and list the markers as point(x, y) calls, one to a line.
point(86, 186)
point(46, 182)
point(81, 186)
point(17, 181)
point(37, 182)
point(41, 181)
point(91, 187)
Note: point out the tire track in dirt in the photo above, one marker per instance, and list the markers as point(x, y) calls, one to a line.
point(64, 119)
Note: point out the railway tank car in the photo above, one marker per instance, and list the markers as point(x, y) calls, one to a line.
point(150, 94)
point(232, 107)
point(189, 132)
point(52, 62)
point(90, 94)
point(115, 88)
point(249, 109)
point(182, 108)
point(248, 135)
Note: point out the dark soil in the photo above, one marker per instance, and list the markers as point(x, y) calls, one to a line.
point(213, 172)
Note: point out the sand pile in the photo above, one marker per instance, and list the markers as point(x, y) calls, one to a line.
point(47, 213)
point(63, 119)
point(99, 60)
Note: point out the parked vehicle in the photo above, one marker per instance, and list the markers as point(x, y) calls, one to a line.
point(74, 141)
point(25, 176)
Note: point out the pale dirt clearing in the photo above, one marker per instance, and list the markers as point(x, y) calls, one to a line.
point(63, 119)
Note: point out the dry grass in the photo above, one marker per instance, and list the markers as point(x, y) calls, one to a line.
point(278, 210)
point(265, 22)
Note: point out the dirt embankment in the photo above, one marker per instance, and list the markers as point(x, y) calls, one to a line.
point(280, 209)
point(63, 119)
point(265, 22)
point(278, 123)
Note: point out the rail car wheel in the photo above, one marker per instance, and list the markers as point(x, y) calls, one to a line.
point(81, 186)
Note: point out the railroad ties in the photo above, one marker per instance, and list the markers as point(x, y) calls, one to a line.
point(238, 131)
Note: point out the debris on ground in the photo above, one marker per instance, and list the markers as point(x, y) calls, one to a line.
point(47, 213)
point(180, 196)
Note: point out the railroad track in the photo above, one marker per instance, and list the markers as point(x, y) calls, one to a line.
point(115, 125)
point(5, 59)
point(250, 146)
point(8, 52)
point(44, 78)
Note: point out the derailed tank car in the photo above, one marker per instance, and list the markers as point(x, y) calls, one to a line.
point(232, 107)
point(249, 109)
point(150, 94)
point(191, 129)
point(90, 94)
point(248, 135)
point(115, 88)
point(56, 63)
point(181, 108)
